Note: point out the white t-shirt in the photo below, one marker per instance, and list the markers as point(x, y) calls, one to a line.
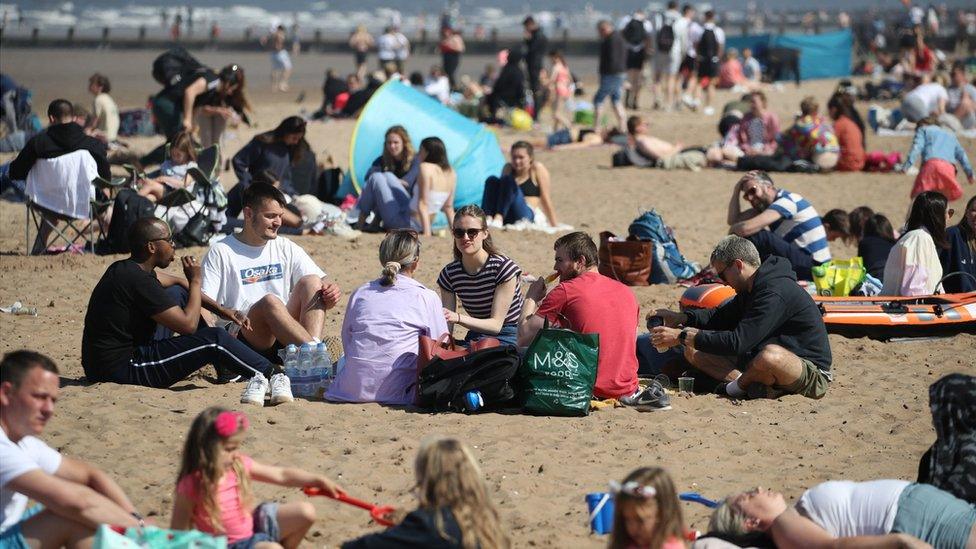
point(386, 47)
point(237, 275)
point(845, 508)
point(930, 94)
point(681, 41)
point(695, 32)
point(15, 460)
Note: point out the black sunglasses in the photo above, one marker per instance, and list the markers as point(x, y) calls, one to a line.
point(459, 233)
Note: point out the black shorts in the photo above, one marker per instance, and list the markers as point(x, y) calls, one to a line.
point(708, 68)
point(270, 353)
point(360, 57)
point(688, 65)
point(635, 59)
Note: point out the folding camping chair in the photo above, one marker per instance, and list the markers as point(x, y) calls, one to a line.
point(61, 189)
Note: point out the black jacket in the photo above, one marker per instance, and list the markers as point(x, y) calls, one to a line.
point(418, 530)
point(613, 54)
point(59, 140)
point(535, 49)
point(958, 257)
point(776, 311)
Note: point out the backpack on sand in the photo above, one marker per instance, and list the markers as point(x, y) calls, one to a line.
point(665, 37)
point(173, 65)
point(442, 384)
point(128, 208)
point(668, 265)
point(634, 32)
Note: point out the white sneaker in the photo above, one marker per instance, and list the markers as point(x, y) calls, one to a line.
point(494, 223)
point(256, 388)
point(344, 231)
point(709, 111)
point(520, 225)
point(280, 389)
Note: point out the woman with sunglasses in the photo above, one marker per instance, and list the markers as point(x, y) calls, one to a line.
point(382, 325)
point(485, 282)
point(913, 266)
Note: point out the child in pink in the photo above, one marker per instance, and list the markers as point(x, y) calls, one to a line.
point(937, 148)
point(646, 513)
point(213, 491)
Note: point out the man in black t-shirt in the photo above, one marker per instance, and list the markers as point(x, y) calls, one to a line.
point(120, 342)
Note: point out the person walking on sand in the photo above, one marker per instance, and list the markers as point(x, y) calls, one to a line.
point(70, 497)
point(613, 69)
point(280, 59)
point(361, 41)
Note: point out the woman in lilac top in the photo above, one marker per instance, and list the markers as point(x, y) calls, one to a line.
point(382, 326)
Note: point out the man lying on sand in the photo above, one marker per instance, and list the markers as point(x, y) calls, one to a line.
point(658, 153)
point(71, 497)
point(121, 342)
point(770, 335)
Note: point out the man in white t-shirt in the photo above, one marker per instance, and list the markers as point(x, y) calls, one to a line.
point(74, 497)
point(284, 293)
point(926, 99)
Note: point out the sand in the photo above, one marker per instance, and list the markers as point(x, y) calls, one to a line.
point(873, 423)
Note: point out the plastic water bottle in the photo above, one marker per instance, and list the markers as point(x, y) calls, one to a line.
point(321, 369)
point(473, 401)
point(304, 387)
point(291, 362)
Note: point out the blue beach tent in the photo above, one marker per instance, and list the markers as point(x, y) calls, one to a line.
point(472, 148)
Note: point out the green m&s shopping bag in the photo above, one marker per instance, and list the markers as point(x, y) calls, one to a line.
point(558, 372)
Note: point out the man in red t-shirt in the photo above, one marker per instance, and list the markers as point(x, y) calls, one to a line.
point(589, 303)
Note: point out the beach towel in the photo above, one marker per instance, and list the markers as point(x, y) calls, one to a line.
point(63, 184)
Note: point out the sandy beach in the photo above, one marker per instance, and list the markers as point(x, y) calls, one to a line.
point(873, 423)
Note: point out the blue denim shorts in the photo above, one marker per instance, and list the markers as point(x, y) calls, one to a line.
point(13, 538)
point(610, 86)
point(934, 516)
point(265, 527)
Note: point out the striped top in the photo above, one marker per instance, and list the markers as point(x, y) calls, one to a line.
point(476, 292)
point(800, 225)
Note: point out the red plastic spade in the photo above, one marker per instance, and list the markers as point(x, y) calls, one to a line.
point(378, 512)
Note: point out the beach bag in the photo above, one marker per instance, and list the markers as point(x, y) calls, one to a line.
point(627, 261)
point(441, 386)
point(558, 372)
point(668, 265)
point(635, 33)
point(665, 37)
point(116, 537)
point(128, 208)
point(173, 65)
point(838, 277)
point(445, 348)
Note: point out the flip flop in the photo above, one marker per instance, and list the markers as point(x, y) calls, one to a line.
point(379, 513)
point(697, 498)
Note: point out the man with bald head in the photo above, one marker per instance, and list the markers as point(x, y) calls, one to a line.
point(121, 343)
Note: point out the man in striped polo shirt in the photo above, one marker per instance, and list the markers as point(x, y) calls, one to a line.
point(780, 223)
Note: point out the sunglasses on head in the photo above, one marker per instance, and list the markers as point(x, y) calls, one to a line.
point(471, 233)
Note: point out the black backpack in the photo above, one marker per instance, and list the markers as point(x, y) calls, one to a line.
point(665, 37)
point(708, 45)
point(173, 65)
point(442, 385)
point(128, 208)
point(634, 32)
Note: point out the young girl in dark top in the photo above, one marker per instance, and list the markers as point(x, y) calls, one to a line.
point(521, 191)
point(961, 254)
point(487, 284)
point(453, 511)
point(876, 242)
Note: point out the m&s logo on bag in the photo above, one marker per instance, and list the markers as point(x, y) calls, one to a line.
point(252, 275)
point(557, 364)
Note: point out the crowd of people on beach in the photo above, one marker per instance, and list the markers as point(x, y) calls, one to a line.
point(256, 293)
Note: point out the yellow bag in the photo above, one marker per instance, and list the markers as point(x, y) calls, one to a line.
point(520, 120)
point(838, 277)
